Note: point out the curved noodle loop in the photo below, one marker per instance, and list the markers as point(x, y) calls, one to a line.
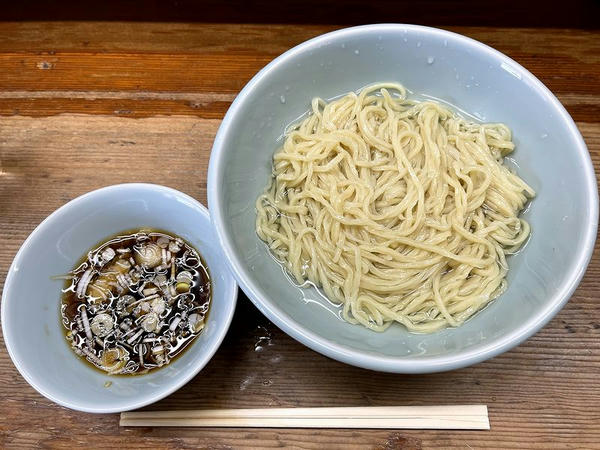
point(401, 211)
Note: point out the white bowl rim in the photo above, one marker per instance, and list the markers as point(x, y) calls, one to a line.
point(405, 364)
point(6, 294)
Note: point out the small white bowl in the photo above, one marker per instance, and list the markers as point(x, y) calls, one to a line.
point(31, 324)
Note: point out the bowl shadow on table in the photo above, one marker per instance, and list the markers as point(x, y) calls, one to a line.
point(259, 366)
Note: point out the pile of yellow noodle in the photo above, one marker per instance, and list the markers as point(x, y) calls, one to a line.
point(399, 210)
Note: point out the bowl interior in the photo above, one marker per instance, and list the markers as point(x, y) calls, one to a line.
point(31, 314)
point(550, 156)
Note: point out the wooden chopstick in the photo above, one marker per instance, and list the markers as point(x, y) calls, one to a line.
point(458, 417)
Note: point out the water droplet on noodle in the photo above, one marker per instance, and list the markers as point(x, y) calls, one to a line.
point(282, 99)
point(356, 52)
point(430, 60)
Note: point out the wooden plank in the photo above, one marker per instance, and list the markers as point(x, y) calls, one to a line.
point(49, 38)
point(127, 107)
point(173, 38)
point(136, 70)
point(125, 104)
point(227, 72)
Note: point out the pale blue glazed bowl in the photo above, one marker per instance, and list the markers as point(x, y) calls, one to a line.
point(551, 156)
point(31, 324)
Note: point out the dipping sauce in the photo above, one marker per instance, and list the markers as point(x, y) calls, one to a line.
point(136, 302)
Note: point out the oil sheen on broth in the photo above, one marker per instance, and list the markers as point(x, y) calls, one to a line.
point(136, 301)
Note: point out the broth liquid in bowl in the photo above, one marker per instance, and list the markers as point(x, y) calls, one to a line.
point(136, 301)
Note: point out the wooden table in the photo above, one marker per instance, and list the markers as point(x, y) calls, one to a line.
point(86, 105)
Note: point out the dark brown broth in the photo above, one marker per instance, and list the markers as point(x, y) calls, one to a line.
point(158, 344)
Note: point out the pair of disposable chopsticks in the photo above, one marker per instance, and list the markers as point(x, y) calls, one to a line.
point(458, 417)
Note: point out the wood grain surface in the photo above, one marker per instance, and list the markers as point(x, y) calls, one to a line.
point(85, 105)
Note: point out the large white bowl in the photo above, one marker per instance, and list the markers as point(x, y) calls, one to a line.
point(550, 155)
point(31, 299)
